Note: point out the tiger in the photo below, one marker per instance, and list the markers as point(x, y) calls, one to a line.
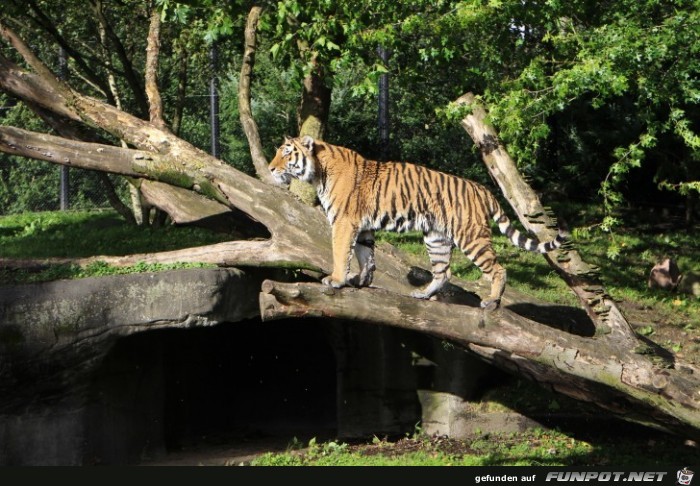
point(360, 196)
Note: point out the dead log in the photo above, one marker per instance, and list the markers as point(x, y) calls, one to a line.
point(581, 277)
point(653, 389)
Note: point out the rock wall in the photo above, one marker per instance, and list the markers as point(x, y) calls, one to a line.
point(122, 369)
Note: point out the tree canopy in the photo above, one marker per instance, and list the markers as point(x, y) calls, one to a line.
point(600, 97)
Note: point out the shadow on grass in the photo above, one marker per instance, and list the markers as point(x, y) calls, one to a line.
point(565, 318)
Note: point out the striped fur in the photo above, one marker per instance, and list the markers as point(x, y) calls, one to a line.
point(360, 196)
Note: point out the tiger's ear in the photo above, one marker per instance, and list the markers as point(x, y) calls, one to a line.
point(308, 143)
point(287, 139)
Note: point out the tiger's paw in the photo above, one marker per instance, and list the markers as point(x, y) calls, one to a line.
point(364, 279)
point(336, 284)
point(419, 294)
point(490, 305)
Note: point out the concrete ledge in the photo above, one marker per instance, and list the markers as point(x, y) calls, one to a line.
point(47, 317)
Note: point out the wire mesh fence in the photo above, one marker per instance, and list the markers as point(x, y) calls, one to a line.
point(32, 186)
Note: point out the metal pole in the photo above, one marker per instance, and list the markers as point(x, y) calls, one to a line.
point(214, 101)
point(64, 192)
point(383, 108)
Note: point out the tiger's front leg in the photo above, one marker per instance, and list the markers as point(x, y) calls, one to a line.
point(344, 234)
point(364, 251)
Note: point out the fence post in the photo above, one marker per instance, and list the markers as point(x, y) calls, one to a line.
point(214, 100)
point(64, 195)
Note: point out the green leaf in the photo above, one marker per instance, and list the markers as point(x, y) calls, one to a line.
point(646, 330)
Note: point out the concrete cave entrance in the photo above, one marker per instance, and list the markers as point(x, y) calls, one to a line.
point(208, 385)
point(163, 392)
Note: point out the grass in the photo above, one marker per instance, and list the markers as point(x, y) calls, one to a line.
point(89, 233)
point(536, 447)
point(76, 234)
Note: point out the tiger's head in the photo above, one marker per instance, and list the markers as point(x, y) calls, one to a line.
point(294, 159)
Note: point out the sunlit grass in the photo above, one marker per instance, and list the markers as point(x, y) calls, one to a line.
point(89, 233)
point(534, 447)
point(76, 234)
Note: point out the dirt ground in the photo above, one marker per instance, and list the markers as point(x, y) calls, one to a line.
point(683, 341)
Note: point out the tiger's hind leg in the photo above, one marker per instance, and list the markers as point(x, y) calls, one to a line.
point(480, 252)
point(364, 251)
point(440, 252)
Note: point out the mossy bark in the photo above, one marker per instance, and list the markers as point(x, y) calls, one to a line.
point(313, 120)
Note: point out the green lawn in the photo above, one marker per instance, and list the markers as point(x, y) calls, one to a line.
point(531, 448)
point(672, 320)
point(76, 234)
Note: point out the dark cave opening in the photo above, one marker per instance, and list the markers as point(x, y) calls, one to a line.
point(185, 388)
point(248, 379)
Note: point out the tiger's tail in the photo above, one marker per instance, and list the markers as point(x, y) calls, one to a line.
point(521, 240)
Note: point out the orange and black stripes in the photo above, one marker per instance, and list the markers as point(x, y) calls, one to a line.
point(360, 196)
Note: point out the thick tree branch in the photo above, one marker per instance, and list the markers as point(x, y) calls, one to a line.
point(580, 276)
point(59, 150)
point(33, 61)
point(583, 368)
point(32, 88)
point(155, 104)
point(254, 253)
point(182, 205)
point(55, 96)
point(246, 115)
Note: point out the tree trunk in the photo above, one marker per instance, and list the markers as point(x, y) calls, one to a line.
point(250, 128)
point(312, 118)
point(627, 376)
point(315, 104)
point(581, 277)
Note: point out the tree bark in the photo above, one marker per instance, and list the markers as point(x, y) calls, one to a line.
point(155, 104)
point(313, 118)
point(250, 128)
point(581, 277)
point(315, 104)
point(113, 198)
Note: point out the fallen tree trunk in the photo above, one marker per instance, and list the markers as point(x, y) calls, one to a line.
point(623, 381)
point(581, 277)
